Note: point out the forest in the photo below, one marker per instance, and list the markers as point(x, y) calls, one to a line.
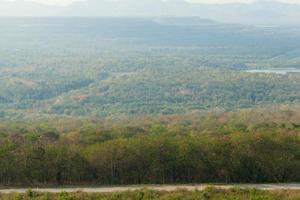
point(125, 101)
point(118, 67)
point(231, 147)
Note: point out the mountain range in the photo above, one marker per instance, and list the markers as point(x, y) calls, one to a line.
point(261, 12)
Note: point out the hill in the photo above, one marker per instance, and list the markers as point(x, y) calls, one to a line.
point(109, 67)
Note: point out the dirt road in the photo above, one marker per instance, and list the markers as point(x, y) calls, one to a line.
point(154, 187)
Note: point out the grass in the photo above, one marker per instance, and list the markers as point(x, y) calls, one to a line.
point(208, 194)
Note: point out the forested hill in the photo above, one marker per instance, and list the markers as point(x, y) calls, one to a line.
point(112, 67)
point(147, 101)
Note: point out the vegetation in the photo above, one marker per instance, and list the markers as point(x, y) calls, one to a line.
point(245, 147)
point(109, 101)
point(111, 67)
point(209, 193)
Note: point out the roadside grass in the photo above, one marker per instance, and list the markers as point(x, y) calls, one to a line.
point(145, 194)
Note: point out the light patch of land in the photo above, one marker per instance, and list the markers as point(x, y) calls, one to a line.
point(168, 188)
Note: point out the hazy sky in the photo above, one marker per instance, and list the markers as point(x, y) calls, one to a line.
point(68, 2)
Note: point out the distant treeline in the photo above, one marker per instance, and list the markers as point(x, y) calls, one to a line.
point(247, 147)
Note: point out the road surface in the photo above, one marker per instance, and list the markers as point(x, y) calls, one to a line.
point(168, 188)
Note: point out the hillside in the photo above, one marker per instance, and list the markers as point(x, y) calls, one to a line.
point(112, 67)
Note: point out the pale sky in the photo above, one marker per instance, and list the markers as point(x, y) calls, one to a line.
point(239, 1)
point(68, 2)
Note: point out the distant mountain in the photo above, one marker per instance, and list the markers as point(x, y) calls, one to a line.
point(26, 8)
point(258, 13)
point(262, 12)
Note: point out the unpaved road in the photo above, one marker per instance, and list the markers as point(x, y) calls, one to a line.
point(155, 187)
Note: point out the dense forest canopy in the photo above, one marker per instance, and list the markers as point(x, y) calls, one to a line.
point(238, 147)
point(111, 67)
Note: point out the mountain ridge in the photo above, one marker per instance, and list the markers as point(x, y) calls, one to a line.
point(269, 13)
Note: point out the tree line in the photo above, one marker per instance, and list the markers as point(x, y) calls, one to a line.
point(218, 149)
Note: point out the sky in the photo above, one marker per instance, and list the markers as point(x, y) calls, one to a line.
point(52, 2)
point(69, 2)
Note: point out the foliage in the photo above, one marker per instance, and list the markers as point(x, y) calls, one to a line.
point(92, 68)
point(212, 194)
point(245, 147)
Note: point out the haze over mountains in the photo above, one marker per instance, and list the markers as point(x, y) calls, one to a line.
point(264, 12)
